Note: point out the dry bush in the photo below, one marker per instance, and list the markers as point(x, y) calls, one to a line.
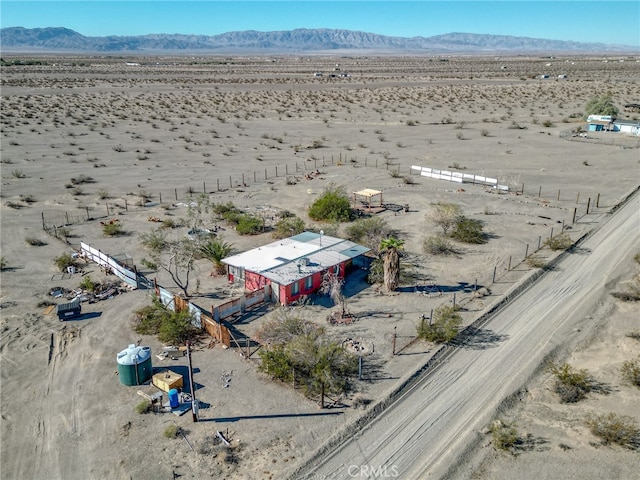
point(572, 385)
point(505, 435)
point(618, 429)
point(80, 179)
point(559, 242)
point(438, 245)
point(630, 371)
point(535, 261)
point(172, 431)
point(143, 407)
point(35, 242)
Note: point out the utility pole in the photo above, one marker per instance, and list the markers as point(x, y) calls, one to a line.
point(194, 402)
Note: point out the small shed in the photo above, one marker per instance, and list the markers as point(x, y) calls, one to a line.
point(368, 198)
point(167, 380)
point(69, 310)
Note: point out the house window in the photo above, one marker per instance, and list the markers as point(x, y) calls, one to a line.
point(308, 283)
point(295, 288)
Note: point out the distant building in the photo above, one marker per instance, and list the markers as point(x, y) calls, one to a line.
point(294, 266)
point(627, 126)
point(600, 123)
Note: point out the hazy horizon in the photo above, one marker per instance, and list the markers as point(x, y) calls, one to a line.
point(616, 23)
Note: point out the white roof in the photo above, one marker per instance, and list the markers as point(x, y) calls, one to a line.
point(368, 192)
point(291, 259)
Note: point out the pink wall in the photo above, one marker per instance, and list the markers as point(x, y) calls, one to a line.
point(254, 281)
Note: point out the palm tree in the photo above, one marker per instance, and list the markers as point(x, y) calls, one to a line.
point(215, 250)
point(390, 249)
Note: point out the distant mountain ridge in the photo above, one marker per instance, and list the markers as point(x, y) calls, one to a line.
point(60, 39)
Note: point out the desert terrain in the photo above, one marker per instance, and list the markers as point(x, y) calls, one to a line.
point(147, 134)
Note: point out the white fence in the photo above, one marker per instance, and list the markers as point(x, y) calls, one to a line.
point(169, 299)
point(109, 263)
point(458, 177)
point(240, 304)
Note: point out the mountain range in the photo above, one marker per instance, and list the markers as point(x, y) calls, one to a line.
point(60, 39)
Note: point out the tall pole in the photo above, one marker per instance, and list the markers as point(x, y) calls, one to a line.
point(394, 340)
point(194, 408)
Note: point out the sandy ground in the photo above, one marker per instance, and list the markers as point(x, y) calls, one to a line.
point(168, 129)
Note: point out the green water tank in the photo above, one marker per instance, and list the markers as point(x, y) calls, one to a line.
point(134, 365)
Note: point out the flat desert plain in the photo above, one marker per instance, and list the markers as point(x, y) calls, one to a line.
point(87, 140)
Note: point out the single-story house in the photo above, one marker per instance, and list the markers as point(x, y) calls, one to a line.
point(294, 266)
point(600, 123)
point(627, 126)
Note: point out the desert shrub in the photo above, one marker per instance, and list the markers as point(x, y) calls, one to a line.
point(332, 205)
point(630, 371)
point(285, 327)
point(359, 401)
point(369, 232)
point(27, 199)
point(112, 229)
point(169, 223)
point(445, 215)
point(3, 263)
point(571, 385)
point(559, 242)
point(635, 334)
point(376, 271)
point(303, 350)
point(618, 429)
point(484, 132)
point(223, 208)
point(149, 264)
point(170, 327)
point(287, 226)
point(18, 174)
point(602, 105)
point(276, 362)
point(468, 230)
point(438, 245)
point(249, 224)
point(88, 284)
point(444, 326)
point(408, 180)
point(172, 431)
point(504, 434)
point(176, 328)
point(80, 179)
point(536, 262)
point(148, 319)
point(64, 261)
point(35, 242)
point(547, 123)
point(627, 296)
point(143, 407)
point(103, 194)
point(330, 229)
point(636, 257)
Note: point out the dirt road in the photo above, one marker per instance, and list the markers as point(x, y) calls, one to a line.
point(425, 431)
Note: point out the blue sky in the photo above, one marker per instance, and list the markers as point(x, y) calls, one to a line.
point(612, 22)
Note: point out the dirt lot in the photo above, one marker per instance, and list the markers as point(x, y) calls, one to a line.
point(246, 130)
